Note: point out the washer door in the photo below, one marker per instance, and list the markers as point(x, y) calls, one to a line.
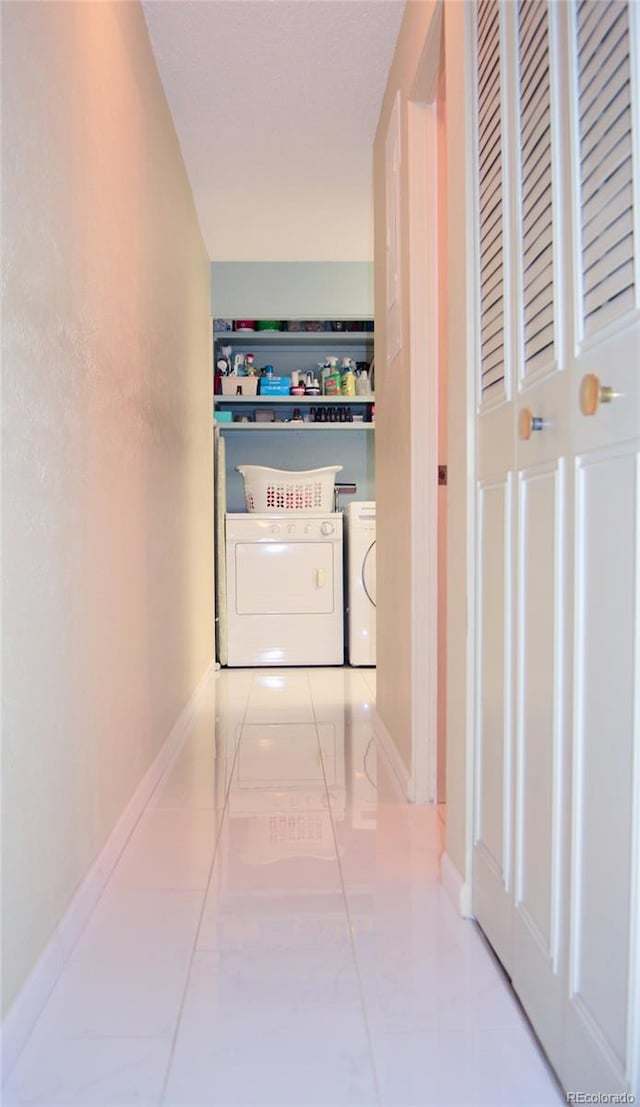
point(369, 574)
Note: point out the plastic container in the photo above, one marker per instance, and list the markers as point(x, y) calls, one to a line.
point(275, 386)
point(306, 491)
point(269, 325)
point(248, 386)
point(245, 324)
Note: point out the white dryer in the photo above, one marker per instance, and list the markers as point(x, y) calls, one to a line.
point(361, 582)
point(284, 589)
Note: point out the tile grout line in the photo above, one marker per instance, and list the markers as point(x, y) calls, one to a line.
point(347, 911)
point(194, 948)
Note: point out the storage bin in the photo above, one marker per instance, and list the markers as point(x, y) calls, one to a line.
point(275, 386)
point(307, 491)
point(248, 386)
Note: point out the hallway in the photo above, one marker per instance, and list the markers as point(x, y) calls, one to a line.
point(275, 933)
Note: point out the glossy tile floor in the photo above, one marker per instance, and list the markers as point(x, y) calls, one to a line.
point(275, 933)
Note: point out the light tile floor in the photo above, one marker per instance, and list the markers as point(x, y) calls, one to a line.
point(275, 933)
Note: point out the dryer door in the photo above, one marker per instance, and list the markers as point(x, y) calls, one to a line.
point(284, 578)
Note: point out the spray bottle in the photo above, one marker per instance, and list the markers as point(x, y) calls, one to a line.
point(348, 383)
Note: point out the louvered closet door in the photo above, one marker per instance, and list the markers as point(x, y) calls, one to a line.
point(495, 505)
point(603, 1021)
point(519, 853)
point(556, 880)
point(543, 478)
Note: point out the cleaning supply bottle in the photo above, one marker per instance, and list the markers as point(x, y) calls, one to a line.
point(347, 383)
point(362, 382)
point(332, 379)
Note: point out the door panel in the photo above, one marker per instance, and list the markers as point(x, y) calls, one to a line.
point(602, 37)
point(494, 513)
point(492, 835)
point(536, 188)
point(540, 651)
point(541, 780)
point(490, 205)
point(607, 710)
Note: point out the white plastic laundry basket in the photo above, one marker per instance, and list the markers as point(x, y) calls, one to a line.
point(309, 491)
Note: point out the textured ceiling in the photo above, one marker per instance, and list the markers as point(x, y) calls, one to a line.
point(275, 103)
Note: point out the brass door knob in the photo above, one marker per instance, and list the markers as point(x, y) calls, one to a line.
point(592, 394)
point(528, 423)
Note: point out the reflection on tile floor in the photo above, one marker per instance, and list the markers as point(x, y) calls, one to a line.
point(275, 933)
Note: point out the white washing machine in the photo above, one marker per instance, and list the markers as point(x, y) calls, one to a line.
point(361, 582)
point(284, 589)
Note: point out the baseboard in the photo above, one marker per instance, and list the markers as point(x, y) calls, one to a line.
point(394, 760)
point(21, 1017)
point(455, 887)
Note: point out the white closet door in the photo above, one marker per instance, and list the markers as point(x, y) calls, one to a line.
point(603, 1020)
point(556, 882)
point(543, 482)
point(493, 785)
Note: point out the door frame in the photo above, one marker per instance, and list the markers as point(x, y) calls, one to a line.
point(422, 152)
point(423, 375)
point(423, 291)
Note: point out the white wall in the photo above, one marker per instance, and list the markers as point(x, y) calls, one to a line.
point(107, 499)
point(394, 449)
point(292, 289)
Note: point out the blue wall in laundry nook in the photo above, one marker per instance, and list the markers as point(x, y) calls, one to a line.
point(300, 449)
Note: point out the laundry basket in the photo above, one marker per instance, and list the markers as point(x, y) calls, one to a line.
point(309, 491)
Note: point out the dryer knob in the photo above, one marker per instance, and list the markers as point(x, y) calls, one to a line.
point(291, 529)
point(327, 528)
point(275, 529)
